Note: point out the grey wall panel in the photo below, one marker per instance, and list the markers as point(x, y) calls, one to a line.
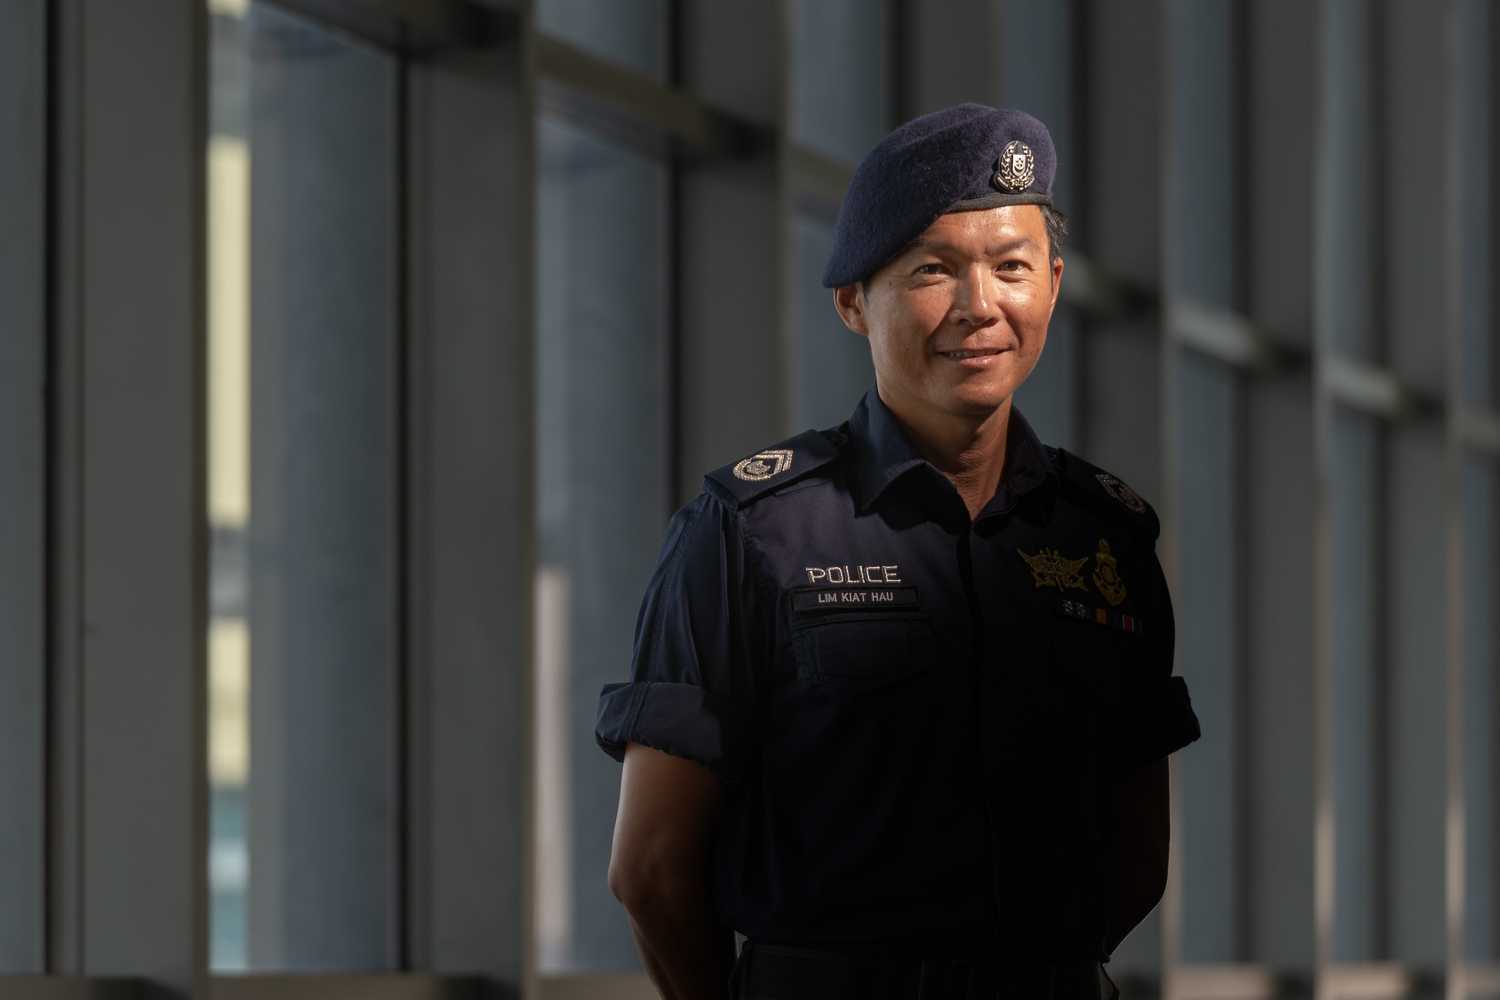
point(1121, 210)
point(634, 33)
point(1357, 697)
point(1280, 473)
point(129, 853)
point(23, 102)
point(1348, 195)
point(1049, 397)
point(734, 356)
point(1202, 264)
point(837, 100)
point(1206, 606)
point(472, 498)
point(1473, 204)
point(1414, 188)
point(1418, 697)
point(1480, 715)
point(1279, 143)
point(1203, 165)
point(948, 55)
point(1121, 402)
point(740, 70)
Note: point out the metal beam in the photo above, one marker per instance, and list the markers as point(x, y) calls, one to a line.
point(618, 101)
point(414, 27)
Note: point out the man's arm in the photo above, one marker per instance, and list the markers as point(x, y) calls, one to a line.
point(658, 868)
point(1138, 845)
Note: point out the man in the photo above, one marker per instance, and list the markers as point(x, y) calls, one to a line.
point(902, 694)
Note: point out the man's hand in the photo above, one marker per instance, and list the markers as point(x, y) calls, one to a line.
point(658, 868)
point(1137, 850)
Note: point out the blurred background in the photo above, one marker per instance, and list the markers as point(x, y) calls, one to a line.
point(354, 353)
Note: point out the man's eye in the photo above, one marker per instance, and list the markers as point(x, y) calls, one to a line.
point(930, 269)
point(1012, 265)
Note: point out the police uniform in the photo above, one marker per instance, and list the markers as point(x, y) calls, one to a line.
point(915, 716)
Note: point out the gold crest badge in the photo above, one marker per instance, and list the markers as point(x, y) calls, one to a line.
point(764, 464)
point(1107, 575)
point(1050, 568)
point(1121, 492)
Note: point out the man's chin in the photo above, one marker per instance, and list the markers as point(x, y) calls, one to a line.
point(976, 401)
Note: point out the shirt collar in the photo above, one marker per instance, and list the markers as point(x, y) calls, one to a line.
point(883, 453)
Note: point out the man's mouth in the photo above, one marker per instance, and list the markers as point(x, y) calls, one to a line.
point(961, 355)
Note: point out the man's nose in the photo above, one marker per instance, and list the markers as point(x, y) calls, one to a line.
point(974, 299)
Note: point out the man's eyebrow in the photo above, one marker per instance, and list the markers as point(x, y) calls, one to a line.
point(994, 250)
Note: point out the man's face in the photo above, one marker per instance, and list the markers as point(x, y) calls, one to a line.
point(957, 320)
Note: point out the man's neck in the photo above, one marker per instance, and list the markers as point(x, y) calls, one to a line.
point(971, 452)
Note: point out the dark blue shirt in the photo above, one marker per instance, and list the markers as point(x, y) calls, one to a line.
point(915, 717)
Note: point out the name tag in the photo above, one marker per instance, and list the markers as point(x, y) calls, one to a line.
point(854, 598)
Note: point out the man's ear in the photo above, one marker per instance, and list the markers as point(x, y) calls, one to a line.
point(1057, 270)
point(849, 301)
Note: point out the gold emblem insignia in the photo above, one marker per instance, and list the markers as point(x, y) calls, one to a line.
point(764, 464)
point(1050, 568)
point(1121, 492)
point(1107, 575)
point(1017, 167)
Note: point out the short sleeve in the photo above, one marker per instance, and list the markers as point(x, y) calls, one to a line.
point(1155, 717)
point(691, 690)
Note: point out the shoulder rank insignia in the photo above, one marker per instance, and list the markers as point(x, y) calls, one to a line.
point(763, 464)
point(1107, 575)
point(1121, 492)
point(770, 469)
point(1050, 568)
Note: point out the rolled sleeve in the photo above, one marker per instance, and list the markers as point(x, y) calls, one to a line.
point(1155, 716)
point(691, 691)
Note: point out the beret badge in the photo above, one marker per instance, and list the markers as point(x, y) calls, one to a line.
point(1016, 169)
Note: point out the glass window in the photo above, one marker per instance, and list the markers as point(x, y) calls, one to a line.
point(603, 503)
point(838, 96)
point(632, 32)
point(23, 103)
point(301, 494)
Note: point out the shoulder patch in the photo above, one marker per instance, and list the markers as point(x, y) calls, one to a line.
point(1107, 492)
point(769, 469)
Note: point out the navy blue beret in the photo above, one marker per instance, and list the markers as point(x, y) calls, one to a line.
point(958, 159)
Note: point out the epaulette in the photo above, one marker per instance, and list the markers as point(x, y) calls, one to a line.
point(1107, 493)
point(769, 469)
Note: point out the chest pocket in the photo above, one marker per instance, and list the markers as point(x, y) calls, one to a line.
point(1095, 660)
point(860, 653)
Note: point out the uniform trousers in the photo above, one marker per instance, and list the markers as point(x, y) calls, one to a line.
point(767, 971)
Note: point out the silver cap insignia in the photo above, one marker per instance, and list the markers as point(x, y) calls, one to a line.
point(1017, 168)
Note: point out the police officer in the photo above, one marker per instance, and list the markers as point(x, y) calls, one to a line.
point(902, 689)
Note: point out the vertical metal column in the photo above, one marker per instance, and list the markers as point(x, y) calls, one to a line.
point(1350, 853)
point(1203, 266)
point(127, 841)
point(23, 484)
point(323, 610)
point(469, 201)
